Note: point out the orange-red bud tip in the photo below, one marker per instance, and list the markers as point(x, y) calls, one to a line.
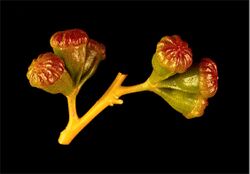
point(174, 54)
point(208, 77)
point(45, 70)
point(98, 47)
point(68, 38)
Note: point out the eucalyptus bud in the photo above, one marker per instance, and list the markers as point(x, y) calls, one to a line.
point(78, 52)
point(172, 56)
point(199, 79)
point(95, 53)
point(188, 92)
point(48, 72)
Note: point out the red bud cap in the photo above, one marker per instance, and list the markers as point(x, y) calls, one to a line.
point(97, 47)
point(68, 38)
point(45, 70)
point(208, 77)
point(174, 54)
point(48, 72)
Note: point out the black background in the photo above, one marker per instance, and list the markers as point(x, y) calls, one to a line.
point(144, 134)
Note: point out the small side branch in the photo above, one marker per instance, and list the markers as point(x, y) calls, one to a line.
point(109, 98)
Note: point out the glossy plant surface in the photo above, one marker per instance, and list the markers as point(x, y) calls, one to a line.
point(185, 87)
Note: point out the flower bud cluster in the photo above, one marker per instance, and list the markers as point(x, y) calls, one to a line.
point(74, 60)
point(186, 88)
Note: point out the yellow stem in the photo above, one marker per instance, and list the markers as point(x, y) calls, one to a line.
point(109, 98)
point(73, 117)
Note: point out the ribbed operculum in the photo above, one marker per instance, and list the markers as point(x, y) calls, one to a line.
point(208, 77)
point(98, 48)
point(174, 54)
point(48, 72)
point(69, 38)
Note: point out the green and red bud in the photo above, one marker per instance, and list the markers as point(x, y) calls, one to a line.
point(190, 105)
point(77, 57)
point(199, 79)
point(188, 92)
point(172, 56)
point(78, 52)
point(95, 53)
point(48, 72)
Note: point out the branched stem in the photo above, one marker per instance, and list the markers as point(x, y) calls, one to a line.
point(109, 98)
